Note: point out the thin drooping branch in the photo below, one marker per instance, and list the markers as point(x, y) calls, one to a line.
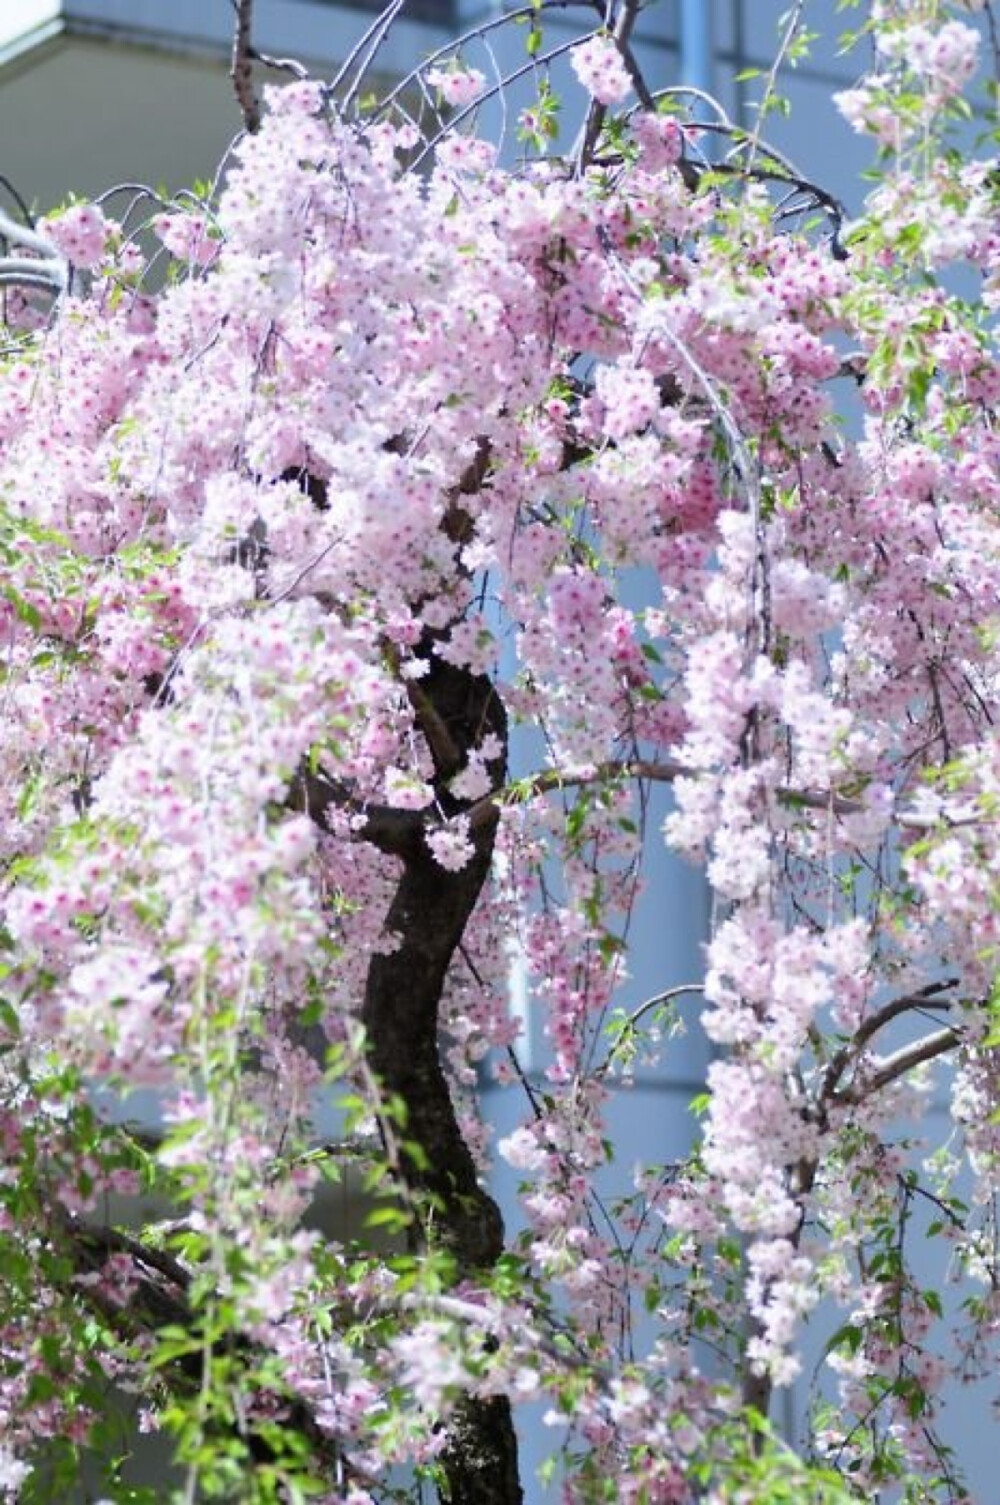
point(280, 64)
point(791, 22)
point(669, 770)
point(757, 1385)
point(450, 127)
point(784, 174)
point(92, 1244)
point(363, 54)
point(552, 779)
point(360, 59)
point(649, 1005)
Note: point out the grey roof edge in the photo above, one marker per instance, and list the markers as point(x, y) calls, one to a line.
point(146, 38)
point(319, 37)
point(29, 43)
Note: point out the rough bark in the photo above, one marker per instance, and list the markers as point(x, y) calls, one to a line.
point(429, 913)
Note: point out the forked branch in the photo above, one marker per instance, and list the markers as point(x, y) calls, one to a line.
point(930, 997)
point(899, 1063)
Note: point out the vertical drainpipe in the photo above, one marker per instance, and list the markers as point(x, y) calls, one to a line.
point(696, 43)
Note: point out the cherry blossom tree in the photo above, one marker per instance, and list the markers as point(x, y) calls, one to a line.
point(314, 487)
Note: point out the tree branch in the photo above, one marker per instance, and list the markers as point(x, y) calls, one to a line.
point(241, 67)
point(429, 914)
point(396, 832)
point(20, 271)
point(552, 779)
point(924, 998)
point(280, 64)
point(667, 771)
point(898, 1064)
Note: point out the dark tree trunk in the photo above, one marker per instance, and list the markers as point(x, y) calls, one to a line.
point(481, 1460)
point(429, 913)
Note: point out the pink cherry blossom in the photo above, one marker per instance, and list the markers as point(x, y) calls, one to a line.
point(599, 66)
point(457, 86)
